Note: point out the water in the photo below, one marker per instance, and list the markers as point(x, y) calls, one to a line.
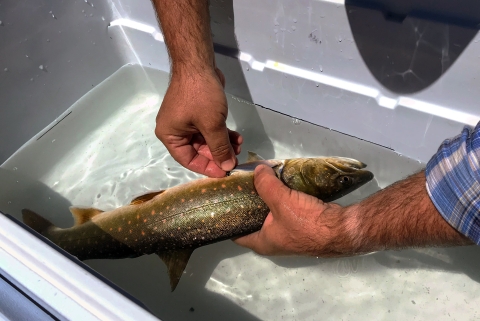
point(102, 152)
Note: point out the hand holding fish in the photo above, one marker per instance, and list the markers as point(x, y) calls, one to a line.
point(298, 224)
point(191, 123)
point(399, 216)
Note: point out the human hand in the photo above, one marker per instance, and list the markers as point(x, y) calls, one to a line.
point(191, 123)
point(298, 224)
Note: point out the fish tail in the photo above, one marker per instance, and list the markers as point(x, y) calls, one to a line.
point(36, 222)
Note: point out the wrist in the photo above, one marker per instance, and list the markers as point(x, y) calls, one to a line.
point(338, 233)
point(193, 65)
point(358, 232)
point(206, 77)
point(352, 228)
point(192, 70)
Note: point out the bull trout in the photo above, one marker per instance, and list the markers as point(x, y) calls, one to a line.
point(172, 223)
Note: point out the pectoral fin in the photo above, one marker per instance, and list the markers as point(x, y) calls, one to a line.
point(144, 198)
point(83, 215)
point(253, 157)
point(253, 160)
point(176, 261)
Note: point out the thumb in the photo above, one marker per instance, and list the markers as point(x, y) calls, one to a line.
point(270, 188)
point(218, 142)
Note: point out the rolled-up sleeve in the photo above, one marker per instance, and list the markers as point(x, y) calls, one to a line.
point(453, 182)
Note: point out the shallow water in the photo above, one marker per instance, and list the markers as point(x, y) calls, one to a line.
point(102, 152)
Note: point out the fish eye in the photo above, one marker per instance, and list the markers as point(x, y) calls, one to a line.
point(344, 179)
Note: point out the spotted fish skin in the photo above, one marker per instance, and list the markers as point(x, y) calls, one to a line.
point(174, 222)
point(188, 216)
point(88, 241)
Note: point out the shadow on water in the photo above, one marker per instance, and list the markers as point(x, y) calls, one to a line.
point(408, 45)
point(455, 260)
point(147, 279)
point(463, 260)
point(19, 192)
point(248, 123)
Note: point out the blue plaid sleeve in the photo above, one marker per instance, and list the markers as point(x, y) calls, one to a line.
point(453, 182)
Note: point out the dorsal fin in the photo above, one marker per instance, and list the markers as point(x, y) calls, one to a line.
point(144, 198)
point(176, 261)
point(253, 157)
point(83, 215)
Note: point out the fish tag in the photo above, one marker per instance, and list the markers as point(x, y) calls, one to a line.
point(145, 198)
point(176, 261)
point(83, 215)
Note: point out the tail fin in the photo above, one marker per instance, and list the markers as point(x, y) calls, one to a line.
point(35, 221)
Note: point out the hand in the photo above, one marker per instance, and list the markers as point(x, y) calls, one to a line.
point(298, 224)
point(191, 123)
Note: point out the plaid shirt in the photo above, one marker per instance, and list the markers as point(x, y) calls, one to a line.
point(453, 182)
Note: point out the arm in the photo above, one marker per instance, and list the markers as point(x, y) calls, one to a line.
point(186, 28)
point(436, 207)
point(191, 122)
point(399, 216)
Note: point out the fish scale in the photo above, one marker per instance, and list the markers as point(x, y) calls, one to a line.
point(174, 222)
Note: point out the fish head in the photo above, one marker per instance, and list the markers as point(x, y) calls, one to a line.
point(327, 178)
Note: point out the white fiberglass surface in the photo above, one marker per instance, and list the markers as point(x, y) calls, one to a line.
point(102, 152)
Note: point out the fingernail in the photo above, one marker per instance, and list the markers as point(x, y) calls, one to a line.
point(227, 165)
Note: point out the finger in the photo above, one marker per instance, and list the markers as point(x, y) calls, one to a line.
point(251, 241)
point(217, 139)
point(201, 146)
point(237, 149)
point(204, 156)
point(270, 188)
point(236, 140)
point(189, 158)
point(235, 137)
point(257, 241)
point(197, 141)
point(212, 170)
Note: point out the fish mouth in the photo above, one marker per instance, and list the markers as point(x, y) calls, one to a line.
point(351, 167)
point(365, 176)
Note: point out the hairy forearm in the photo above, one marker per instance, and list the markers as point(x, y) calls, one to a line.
point(399, 216)
point(186, 28)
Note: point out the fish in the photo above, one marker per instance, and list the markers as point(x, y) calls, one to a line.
point(172, 223)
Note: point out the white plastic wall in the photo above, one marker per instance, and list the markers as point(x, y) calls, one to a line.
point(402, 75)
